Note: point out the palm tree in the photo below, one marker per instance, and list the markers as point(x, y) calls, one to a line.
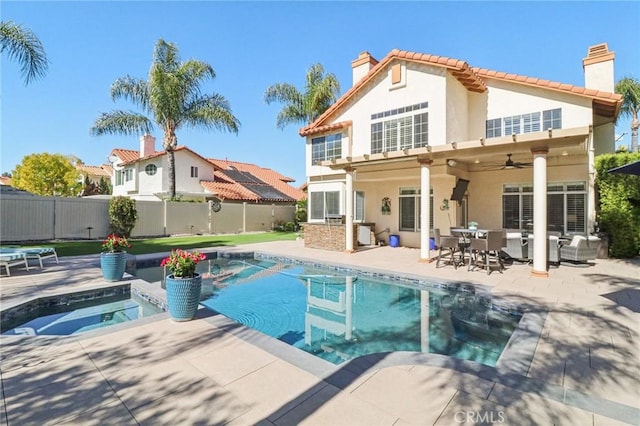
point(22, 44)
point(629, 88)
point(171, 98)
point(320, 91)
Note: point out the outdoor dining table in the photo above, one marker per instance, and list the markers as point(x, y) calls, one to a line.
point(467, 234)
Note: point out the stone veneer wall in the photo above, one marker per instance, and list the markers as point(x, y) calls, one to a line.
point(330, 237)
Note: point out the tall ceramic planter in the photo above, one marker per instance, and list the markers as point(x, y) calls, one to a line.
point(183, 296)
point(113, 265)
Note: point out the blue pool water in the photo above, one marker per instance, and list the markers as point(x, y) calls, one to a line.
point(64, 321)
point(339, 317)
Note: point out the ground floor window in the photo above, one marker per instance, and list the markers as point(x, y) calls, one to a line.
point(323, 203)
point(358, 206)
point(409, 202)
point(566, 207)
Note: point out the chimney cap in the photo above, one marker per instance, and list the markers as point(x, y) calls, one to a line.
point(364, 58)
point(598, 53)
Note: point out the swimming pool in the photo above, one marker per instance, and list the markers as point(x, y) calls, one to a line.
point(75, 313)
point(339, 315)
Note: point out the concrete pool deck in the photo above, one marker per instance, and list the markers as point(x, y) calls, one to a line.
point(585, 368)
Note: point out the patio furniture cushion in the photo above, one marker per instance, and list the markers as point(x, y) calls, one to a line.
point(581, 249)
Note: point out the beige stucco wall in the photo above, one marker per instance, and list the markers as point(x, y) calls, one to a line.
point(457, 117)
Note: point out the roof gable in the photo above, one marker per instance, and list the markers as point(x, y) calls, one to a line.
point(472, 78)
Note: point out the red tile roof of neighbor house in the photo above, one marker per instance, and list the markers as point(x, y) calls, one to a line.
point(224, 186)
point(103, 170)
point(473, 78)
point(273, 178)
point(4, 180)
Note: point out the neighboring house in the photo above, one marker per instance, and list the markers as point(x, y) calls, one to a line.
point(5, 180)
point(415, 124)
point(95, 173)
point(143, 175)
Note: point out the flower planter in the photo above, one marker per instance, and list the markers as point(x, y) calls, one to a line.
point(113, 265)
point(183, 296)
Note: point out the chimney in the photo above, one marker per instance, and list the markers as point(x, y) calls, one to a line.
point(147, 145)
point(598, 68)
point(362, 65)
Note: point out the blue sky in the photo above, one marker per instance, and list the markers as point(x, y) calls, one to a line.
point(252, 45)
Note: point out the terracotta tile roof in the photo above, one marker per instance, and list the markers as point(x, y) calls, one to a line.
point(103, 170)
point(326, 128)
point(470, 77)
point(137, 158)
point(273, 178)
point(5, 180)
point(226, 190)
point(126, 155)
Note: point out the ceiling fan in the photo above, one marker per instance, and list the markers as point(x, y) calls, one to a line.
point(510, 164)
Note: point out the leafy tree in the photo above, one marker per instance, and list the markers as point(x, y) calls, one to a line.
point(303, 107)
point(619, 206)
point(103, 187)
point(47, 174)
point(24, 46)
point(172, 98)
point(6, 174)
point(123, 215)
point(629, 88)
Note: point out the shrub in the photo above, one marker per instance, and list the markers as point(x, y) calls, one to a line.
point(289, 227)
point(619, 213)
point(122, 215)
point(301, 211)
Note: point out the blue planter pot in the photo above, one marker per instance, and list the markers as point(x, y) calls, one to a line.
point(183, 296)
point(113, 265)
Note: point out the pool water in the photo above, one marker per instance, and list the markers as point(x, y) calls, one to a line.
point(338, 317)
point(70, 320)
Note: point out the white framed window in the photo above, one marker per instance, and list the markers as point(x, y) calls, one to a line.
point(552, 119)
point(566, 207)
point(119, 177)
point(410, 131)
point(326, 148)
point(150, 169)
point(128, 175)
point(194, 171)
point(358, 206)
point(494, 128)
point(525, 123)
point(409, 209)
point(323, 203)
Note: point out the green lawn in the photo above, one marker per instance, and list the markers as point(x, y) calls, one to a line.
point(158, 245)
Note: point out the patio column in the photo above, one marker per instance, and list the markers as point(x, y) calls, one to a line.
point(591, 194)
point(540, 212)
point(349, 210)
point(425, 202)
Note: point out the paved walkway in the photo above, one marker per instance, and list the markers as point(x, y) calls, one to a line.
point(584, 371)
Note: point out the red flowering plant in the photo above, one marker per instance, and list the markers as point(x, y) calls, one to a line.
point(182, 264)
point(115, 244)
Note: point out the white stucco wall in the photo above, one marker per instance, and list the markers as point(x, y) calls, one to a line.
point(457, 118)
point(507, 99)
point(149, 185)
point(184, 160)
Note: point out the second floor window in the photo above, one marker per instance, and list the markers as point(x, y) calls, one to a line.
point(326, 148)
point(194, 171)
point(400, 133)
point(128, 175)
point(524, 123)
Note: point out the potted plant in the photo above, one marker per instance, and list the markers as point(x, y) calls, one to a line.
point(183, 284)
point(473, 225)
point(113, 259)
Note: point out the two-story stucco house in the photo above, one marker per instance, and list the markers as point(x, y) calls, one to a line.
point(503, 150)
point(143, 175)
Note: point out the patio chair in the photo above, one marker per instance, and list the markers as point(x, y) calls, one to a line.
point(553, 247)
point(38, 253)
point(486, 251)
point(451, 245)
point(13, 259)
point(515, 247)
point(581, 249)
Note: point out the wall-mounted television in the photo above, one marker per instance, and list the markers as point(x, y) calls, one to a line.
point(459, 190)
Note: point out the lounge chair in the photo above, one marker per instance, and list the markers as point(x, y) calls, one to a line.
point(13, 259)
point(38, 253)
point(581, 249)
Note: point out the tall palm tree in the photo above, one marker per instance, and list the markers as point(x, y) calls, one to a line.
point(320, 91)
point(171, 98)
point(24, 46)
point(629, 88)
